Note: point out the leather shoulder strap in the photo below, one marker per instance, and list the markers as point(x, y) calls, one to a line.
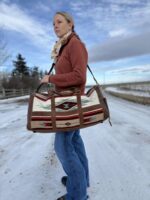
point(51, 69)
point(92, 74)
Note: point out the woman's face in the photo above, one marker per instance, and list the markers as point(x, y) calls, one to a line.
point(61, 25)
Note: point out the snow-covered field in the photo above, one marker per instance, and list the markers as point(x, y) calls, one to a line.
point(119, 156)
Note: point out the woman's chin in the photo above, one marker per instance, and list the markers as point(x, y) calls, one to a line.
point(59, 35)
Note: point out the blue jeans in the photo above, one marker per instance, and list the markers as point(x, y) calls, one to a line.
point(70, 150)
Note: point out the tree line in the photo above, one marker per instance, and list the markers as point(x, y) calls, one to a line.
point(22, 76)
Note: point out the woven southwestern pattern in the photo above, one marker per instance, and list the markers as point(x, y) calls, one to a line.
point(69, 121)
point(65, 113)
point(64, 103)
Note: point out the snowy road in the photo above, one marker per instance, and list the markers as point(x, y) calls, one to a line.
point(119, 156)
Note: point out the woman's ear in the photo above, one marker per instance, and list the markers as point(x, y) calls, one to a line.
point(70, 26)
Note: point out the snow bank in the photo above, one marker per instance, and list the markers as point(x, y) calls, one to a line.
point(132, 95)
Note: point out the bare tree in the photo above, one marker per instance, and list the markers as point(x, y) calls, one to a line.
point(4, 55)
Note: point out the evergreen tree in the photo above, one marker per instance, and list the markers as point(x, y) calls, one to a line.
point(41, 74)
point(35, 76)
point(21, 68)
point(46, 72)
point(35, 72)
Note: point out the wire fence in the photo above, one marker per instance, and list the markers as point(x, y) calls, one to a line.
point(141, 86)
point(135, 86)
point(136, 92)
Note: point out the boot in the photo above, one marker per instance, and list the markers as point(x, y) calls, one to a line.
point(64, 180)
point(61, 198)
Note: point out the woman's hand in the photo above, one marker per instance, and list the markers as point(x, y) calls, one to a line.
point(45, 79)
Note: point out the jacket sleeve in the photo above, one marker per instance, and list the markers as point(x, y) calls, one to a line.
point(78, 57)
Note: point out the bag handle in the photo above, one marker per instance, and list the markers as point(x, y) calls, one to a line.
point(40, 85)
point(71, 91)
point(51, 69)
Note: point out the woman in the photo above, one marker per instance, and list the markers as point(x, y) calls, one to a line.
point(70, 57)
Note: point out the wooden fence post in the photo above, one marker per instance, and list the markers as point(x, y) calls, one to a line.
point(14, 92)
point(3, 92)
point(22, 91)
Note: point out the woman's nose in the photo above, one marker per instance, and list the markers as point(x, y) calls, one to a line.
point(56, 26)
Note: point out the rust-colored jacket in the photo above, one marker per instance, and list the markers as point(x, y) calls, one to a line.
point(71, 65)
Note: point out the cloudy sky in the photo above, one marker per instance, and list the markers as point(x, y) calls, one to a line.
point(116, 34)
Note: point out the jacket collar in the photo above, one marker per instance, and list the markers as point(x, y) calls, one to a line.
point(67, 41)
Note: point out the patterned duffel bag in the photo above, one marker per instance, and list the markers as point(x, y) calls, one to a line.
point(64, 111)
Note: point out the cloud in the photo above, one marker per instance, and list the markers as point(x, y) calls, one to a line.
point(111, 16)
point(42, 7)
point(119, 48)
point(133, 69)
point(5, 1)
point(118, 32)
point(14, 18)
